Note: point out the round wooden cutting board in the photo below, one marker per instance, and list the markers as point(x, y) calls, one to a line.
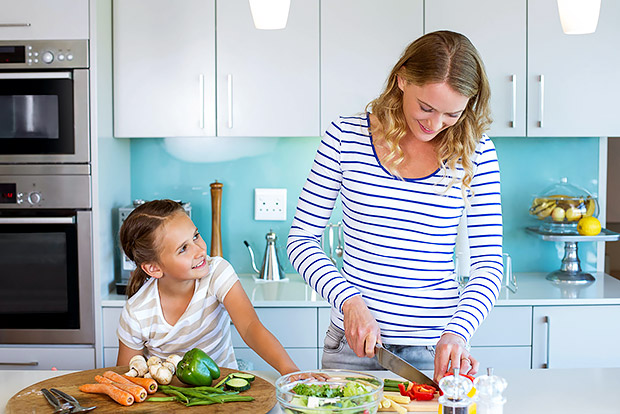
point(31, 400)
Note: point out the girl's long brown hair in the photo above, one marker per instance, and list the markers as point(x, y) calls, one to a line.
point(137, 236)
point(437, 57)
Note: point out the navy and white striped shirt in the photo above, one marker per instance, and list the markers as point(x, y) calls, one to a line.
point(399, 238)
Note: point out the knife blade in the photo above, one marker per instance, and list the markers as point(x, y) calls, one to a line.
point(399, 366)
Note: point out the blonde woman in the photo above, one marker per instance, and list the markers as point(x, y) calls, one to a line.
point(406, 171)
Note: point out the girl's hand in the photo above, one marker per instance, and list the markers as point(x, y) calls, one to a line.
point(451, 352)
point(360, 327)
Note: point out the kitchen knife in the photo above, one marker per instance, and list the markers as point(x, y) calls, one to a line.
point(399, 366)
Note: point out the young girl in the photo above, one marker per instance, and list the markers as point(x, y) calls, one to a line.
point(180, 298)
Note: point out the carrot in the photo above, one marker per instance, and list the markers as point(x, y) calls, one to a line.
point(137, 391)
point(118, 395)
point(149, 383)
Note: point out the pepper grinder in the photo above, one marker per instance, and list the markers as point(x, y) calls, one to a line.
point(455, 389)
point(216, 219)
point(489, 389)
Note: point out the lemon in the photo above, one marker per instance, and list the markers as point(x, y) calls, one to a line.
point(589, 226)
point(573, 214)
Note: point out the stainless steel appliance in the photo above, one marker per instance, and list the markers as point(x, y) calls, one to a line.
point(44, 101)
point(46, 272)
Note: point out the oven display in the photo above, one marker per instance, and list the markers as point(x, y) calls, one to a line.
point(12, 54)
point(8, 194)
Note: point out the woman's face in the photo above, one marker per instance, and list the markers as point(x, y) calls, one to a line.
point(183, 252)
point(431, 108)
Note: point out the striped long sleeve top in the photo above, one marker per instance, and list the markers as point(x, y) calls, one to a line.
point(399, 238)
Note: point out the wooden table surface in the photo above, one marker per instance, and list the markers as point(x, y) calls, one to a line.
point(31, 400)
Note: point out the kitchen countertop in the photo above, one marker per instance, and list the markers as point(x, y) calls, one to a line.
point(533, 290)
point(567, 391)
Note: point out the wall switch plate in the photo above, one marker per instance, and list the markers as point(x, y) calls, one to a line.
point(270, 204)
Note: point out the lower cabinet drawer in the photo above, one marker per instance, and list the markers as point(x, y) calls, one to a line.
point(61, 357)
point(502, 357)
point(293, 327)
point(304, 358)
point(110, 318)
point(505, 326)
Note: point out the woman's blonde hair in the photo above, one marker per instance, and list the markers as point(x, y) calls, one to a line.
point(437, 57)
point(138, 238)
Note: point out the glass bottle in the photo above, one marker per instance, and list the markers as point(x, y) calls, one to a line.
point(489, 389)
point(455, 389)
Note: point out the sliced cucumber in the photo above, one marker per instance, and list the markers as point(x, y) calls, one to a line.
point(245, 376)
point(237, 384)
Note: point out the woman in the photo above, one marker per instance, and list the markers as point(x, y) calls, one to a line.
point(406, 171)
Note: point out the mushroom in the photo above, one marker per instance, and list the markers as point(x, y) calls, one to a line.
point(137, 366)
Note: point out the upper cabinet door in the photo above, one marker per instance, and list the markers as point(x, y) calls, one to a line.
point(578, 91)
point(498, 30)
point(361, 40)
point(267, 80)
point(164, 68)
point(43, 19)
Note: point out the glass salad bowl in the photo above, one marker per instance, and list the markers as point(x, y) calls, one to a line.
point(349, 392)
point(561, 206)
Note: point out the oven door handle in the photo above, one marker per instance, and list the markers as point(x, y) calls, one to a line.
point(37, 220)
point(36, 75)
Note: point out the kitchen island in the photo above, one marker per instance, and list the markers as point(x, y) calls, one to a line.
point(567, 391)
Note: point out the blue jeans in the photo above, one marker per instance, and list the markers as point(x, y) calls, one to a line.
point(337, 354)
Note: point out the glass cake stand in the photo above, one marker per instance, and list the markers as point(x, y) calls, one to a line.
point(570, 270)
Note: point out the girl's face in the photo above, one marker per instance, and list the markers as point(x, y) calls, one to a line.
point(183, 252)
point(431, 108)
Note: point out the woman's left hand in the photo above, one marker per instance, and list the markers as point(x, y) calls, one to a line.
point(451, 352)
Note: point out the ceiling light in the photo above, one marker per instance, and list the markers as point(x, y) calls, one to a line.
point(270, 14)
point(579, 16)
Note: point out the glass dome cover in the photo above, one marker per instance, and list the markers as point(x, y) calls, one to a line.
point(561, 205)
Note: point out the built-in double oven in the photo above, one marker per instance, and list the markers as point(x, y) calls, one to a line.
point(46, 270)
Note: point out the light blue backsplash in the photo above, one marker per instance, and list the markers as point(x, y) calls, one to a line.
point(528, 165)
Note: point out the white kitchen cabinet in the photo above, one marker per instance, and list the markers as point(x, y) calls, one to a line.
point(165, 79)
point(44, 19)
point(575, 336)
point(577, 96)
point(164, 68)
point(361, 40)
point(267, 80)
point(505, 326)
point(39, 357)
point(498, 31)
point(110, 317)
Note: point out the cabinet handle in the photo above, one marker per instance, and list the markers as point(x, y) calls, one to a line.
point(202, 100)
point(547, 321)
point(230, 103)
point(513, 122)
point(21, 364)
point(15, 24)
point(541, 79)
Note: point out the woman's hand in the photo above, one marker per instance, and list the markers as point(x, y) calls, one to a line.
point(360, 327)
point(451, 352)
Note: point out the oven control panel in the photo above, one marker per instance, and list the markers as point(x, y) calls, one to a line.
point(32, 191)
point(35, 54)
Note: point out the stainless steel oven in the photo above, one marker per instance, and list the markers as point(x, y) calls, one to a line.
point(46, 271)
point(44, 101)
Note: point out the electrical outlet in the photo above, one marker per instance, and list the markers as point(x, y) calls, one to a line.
point(270, 204)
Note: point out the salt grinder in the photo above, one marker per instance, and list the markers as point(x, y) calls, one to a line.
point(489, 389)
point(455, 389)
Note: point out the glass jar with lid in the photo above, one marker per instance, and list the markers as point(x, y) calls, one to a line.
point(561, 206)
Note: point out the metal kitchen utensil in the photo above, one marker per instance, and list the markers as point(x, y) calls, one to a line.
point(331, 244)
point(339, 247)
point(77, 408)
point(271, 268)
point(399, 366)
point(58, 407)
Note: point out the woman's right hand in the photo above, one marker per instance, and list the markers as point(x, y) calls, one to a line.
point(360, 327)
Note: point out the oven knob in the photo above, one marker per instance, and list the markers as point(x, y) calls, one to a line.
point(47, 57)
point(34, 197)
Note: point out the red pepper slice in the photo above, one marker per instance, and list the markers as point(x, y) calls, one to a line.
point(463, 375)
point(402, 389)
point(423, 392)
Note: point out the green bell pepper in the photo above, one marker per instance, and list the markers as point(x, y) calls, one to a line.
point(197, 368)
